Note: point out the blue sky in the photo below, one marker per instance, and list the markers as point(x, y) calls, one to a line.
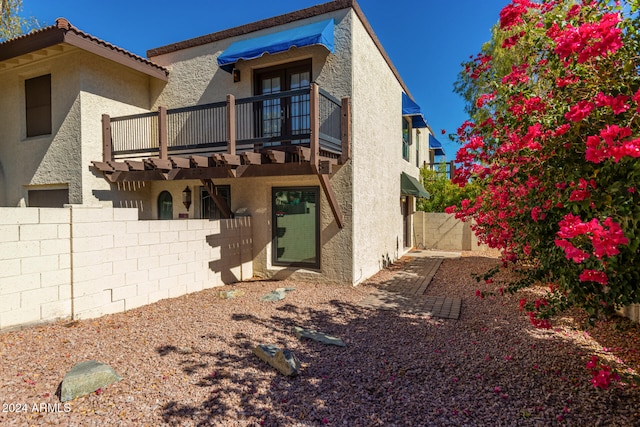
point(426, 39)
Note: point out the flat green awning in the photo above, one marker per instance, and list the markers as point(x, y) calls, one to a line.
point(409, 186)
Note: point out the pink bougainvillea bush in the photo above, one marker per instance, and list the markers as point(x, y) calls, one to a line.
point(555, 144)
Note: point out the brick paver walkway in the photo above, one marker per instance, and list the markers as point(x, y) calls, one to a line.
point(405, 292)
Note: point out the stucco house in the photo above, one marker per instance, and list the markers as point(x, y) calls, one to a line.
point(300, 121)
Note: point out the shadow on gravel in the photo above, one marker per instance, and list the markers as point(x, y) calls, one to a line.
point(397, 369)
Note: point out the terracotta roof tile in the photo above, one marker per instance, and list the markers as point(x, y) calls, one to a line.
point(63, 26)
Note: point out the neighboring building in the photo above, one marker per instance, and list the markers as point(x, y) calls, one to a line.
point(300, 121)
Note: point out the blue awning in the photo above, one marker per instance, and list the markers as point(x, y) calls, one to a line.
point(410, 108)
point(436, 146)
point(320, 33)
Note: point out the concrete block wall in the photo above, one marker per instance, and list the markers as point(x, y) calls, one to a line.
point(632, 312)
point(35, 265)
point(442, 231)
point(83, 262)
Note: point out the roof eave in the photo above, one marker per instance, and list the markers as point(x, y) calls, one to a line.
point(63, 32)
point(30, 43)
point(297, 15)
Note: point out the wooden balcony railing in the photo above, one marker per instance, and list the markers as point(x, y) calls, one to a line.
point(308, 117)
point(448, 169)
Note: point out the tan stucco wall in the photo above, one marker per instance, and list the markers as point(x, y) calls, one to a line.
point(252, 196)
point(47, 159)
point(421, 137)
point(196, 79)
point(377, 158)
point(368, 186)
point(83, 87)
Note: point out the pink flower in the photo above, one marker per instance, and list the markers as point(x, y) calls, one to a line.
point(575, 10)
point(518, 75)
point(594, 276)
point(523, 302)
point(511, 14)
point(592, 363)
point(540, 303)
point(579, 111)
point(579, 195)
point(538, 323)
point(566, 81)
point(589, 40)
point(571, 252)
point(484, 98)
point(513, 40)
point(616, 103)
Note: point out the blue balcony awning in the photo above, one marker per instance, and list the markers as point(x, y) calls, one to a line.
point(436, 146)
point(318, 33)
point(410, 108)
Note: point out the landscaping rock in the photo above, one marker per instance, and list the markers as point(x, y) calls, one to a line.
point(277, 294)
point(317, 336)
point(282, 359)
point(233, 293)
point(85, 378)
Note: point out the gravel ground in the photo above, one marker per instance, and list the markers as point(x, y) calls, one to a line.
point(188, 361)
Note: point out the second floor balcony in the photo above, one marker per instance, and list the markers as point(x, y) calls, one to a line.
point(302, 125)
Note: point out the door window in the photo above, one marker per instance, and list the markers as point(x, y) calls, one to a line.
point(296, 226)
point(284, 118)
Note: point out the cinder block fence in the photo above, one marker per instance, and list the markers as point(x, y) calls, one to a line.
point(81, 262)
point(444, 232)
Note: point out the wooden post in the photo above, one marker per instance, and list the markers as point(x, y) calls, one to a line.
point(346, 130)
point(219, 201)
point(162, 133)
point(314, 112)
point(107, 147)
point(231, 124)
point(332, 199)
point(452, 169)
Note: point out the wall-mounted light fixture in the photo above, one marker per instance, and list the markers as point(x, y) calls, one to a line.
point(403, 199)
point(186, 197)
point(236, 75)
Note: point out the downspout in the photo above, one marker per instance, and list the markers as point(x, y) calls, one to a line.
point(73, 314)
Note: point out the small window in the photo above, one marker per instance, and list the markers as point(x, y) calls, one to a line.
point(406, 138)
point(296, 226)
point(48, 198)
point(208, 208)
point(418, 148)
point(38, 105)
